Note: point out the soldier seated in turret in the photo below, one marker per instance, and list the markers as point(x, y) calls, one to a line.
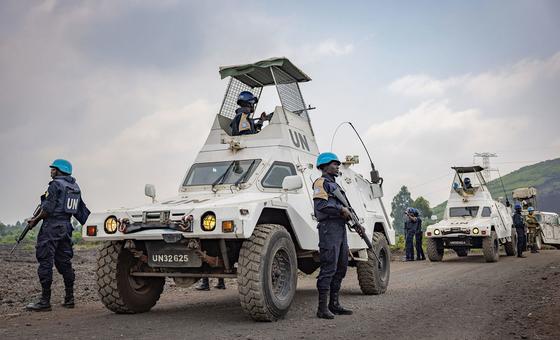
point(243, 123)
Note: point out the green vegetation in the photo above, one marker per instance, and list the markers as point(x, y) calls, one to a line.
point(9, 233)
point(545, 176)
point(403, 200)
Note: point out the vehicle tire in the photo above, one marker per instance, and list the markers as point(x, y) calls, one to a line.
point(435, 249)
point(511, 246)
point(373, 276)
point(491, 247)
point(120, 292)
point(462, 252)
point(267, 273)
point(538, 241)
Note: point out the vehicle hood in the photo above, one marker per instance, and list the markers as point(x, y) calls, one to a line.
point(205, 200)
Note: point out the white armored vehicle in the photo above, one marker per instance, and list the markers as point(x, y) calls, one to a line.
point(472, 219)
point(244, 210)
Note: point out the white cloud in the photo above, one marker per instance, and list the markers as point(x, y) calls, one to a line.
point(504, 82)
point(331, 47)
point(501, 110)
point(417, 85)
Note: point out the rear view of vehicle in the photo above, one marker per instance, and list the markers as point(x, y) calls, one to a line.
point(472, 220)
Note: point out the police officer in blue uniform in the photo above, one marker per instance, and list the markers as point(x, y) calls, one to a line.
point(410, 225)
point(333, 244)
point(418, 236)
point(519, 224)
point(54, 242)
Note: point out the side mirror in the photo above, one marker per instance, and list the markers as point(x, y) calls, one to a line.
point(292, 183)
point(150, 191)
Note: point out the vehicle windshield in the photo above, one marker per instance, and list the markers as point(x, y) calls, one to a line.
point(463, 211)
point(226, 172)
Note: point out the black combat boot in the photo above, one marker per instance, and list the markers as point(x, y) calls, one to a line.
point(44, 303)
point(221, 284)
point(336, 308)
point(69, 297)
point(323, 311)
point(203, 284)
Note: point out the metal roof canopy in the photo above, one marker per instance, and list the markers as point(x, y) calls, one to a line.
point(467, 169)
point(260, 74)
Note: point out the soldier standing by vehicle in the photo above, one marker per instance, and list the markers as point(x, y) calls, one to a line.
point(418, 237)
point(54, 242)
point(533, 228)
point(410, 226)
point(519, 225)
point(204, 284)
point(333, 244)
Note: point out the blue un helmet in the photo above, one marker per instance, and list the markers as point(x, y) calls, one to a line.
point(517, 206)
point(325, 158)
point(530, 209)
point(247, 97)
point(62, 165)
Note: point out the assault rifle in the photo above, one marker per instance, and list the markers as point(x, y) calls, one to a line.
point(25, 230)
point(355, 222)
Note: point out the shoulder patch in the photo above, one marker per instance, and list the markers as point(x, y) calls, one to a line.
point(319, 189)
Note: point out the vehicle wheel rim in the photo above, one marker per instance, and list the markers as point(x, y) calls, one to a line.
point(382, 264)
point(138, 284)
point(280, 274)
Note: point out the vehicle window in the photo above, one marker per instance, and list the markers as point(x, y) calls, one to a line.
point(227, 172)
point(275, 175)
point(463, 211)
point(486, 212)
point(539, 218)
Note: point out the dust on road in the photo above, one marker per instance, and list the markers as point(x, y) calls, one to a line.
point(460, 298)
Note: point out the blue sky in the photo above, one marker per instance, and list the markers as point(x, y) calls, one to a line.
point(427, 82)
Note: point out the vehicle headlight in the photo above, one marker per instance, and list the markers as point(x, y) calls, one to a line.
point(437, 232)
point(476, 231)
point(208, 222)
point(111, 225)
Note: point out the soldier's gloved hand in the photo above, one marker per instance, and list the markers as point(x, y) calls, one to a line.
point(345, 212)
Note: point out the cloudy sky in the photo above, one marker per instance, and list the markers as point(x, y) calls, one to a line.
point(127, 90)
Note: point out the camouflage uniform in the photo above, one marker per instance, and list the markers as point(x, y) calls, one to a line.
point(533, 230)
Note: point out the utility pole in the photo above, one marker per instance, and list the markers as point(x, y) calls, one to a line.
point(485, 163)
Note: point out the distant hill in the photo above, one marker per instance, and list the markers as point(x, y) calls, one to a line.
point(545, 176)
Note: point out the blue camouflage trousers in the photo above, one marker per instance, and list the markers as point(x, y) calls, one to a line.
point(54, 246)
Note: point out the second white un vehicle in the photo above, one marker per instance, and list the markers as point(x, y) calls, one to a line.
point(472, 219)
point(244, 210)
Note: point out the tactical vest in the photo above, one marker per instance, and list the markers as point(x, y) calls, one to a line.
point(319, 192)
point(68, 201)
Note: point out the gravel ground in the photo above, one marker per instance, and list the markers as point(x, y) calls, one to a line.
point(460, 298)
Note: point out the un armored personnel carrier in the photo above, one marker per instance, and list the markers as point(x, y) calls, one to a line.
point(244, 210)
point(472, 219)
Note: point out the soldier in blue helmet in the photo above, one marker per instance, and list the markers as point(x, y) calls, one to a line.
point(519, 224)
point(333, 244)
point(418, 236)
point(243, 123)
point(410, 226)
point(54, 243)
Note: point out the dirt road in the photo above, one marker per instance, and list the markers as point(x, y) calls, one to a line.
point(461, 298)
